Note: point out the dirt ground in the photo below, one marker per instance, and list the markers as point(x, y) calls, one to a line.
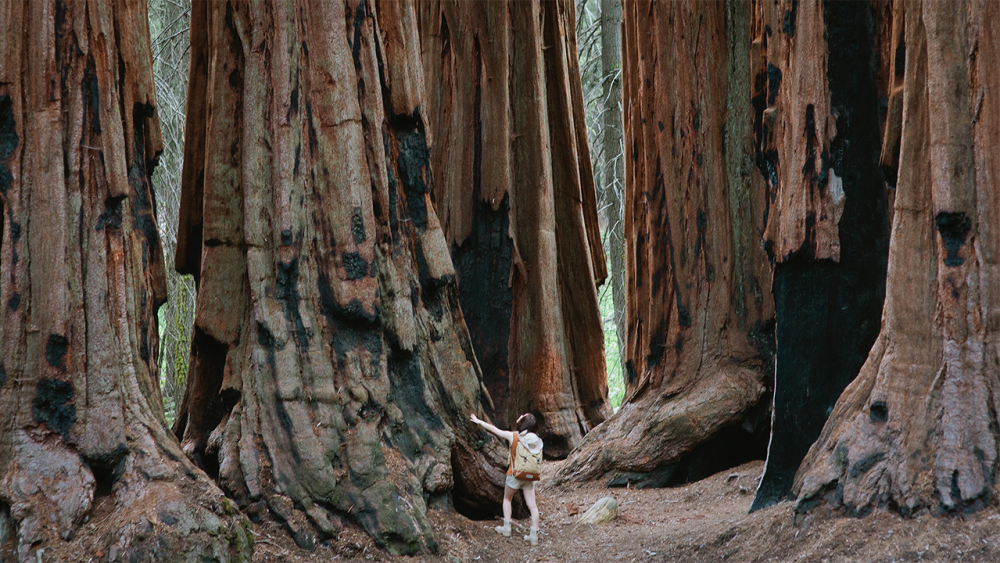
point(701, 522)
point(706, 521)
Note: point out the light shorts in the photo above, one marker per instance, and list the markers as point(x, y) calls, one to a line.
point(515, 483)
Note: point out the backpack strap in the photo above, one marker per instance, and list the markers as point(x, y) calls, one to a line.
point(513, 454)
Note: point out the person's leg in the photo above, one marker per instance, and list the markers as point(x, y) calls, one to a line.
point(529, 498)
point(508, 494)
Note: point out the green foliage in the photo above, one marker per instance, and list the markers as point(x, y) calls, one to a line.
point(616, 376)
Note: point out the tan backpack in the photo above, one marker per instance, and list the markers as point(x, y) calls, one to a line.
point(524, 465)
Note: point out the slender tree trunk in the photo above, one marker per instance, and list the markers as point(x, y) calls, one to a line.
point(827, 224)
point(332, 374)
point(81, 279)
point(917, 430)
point(699, 309)
point(614, 179)
point(518, 206)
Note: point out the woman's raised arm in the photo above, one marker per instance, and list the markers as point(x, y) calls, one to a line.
point(502, 434)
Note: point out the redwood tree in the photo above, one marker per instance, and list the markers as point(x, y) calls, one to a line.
point(917, 430)
point(332, 374)
point(81, 279)
point(699, 306)
point(515, 193)
point(818, 143)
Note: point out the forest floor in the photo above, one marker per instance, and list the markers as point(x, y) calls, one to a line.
point(701, 522)
point(705, 521)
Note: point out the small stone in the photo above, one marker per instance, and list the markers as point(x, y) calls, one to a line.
point(604, 510)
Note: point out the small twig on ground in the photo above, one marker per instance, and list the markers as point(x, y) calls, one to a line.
point(266, 542)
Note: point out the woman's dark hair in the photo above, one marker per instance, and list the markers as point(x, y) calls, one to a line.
point(527, 423)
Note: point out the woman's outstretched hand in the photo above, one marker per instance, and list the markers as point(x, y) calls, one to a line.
point(502, 434)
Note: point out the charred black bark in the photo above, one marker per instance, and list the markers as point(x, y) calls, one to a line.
point(483, 264)
point(829, 313)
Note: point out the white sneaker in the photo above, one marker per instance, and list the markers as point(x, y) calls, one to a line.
point(532, 538)
point(504, 530)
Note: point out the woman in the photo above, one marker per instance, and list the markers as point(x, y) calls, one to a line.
point(525, 425)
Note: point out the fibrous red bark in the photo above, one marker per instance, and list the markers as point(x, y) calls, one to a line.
point(331, 370)
point(81, 279)
point(515, 191)
point(917, 429)
point(699, 307)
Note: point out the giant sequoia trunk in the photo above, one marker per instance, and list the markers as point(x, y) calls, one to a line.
point(918, 428)
point(699, 305)
point(81, 279)
point(331, 371)
point(515, 192)
point(827, 225)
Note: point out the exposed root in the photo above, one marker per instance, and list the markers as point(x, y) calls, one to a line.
point(653, 433)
